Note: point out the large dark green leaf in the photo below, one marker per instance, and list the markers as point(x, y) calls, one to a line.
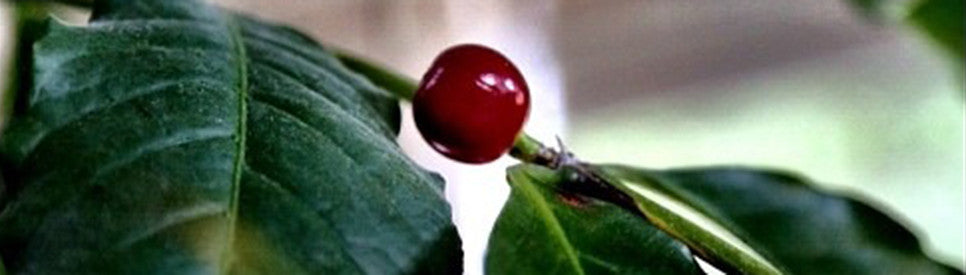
point(170, 137)
point(544, 231)
point(792, 225)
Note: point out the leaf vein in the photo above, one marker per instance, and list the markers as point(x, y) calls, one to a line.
point(42, 134)
point(172, 220)
point(169, 141)
point(344, 153)
point(56, 65)
point(289, 191)
point(334, 98)
point(241, 60)
point(550, 220)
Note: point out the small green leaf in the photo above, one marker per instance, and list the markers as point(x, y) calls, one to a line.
point(795, 227)
point(172, 137)
point(943, 21)
point(543, 231)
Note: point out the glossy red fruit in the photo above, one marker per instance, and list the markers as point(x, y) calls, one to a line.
point(471, 104)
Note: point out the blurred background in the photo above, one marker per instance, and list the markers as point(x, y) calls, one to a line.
point(868, 107)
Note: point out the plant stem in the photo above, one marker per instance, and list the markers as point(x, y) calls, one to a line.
point(28, 20)
point(76, 3)
point(528, 150)
point(401, 86)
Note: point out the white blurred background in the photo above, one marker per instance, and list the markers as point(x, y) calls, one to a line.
point(867, 108)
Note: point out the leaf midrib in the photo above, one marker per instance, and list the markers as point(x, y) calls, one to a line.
point(707, 242)
point(240, 58)
point(556, 230)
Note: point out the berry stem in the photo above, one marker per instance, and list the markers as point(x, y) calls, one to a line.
point(400, 86)
point(527, 149)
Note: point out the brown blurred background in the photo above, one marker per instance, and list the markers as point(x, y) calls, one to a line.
point(867, 107)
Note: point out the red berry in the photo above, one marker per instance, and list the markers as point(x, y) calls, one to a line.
point(471, 104)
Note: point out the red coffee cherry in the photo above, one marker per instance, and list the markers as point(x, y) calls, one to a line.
point(471, 104)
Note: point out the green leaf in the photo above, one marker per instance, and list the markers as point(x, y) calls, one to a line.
point(796, 227)
point(543, 231)
point(171, 137)
point(943, 21)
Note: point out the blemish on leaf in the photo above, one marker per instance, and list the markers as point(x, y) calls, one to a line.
point(573, 199)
